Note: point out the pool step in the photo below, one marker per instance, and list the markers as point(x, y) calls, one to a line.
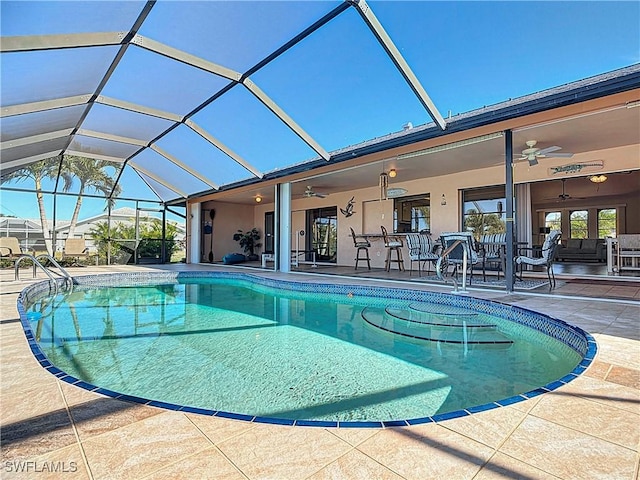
point(437, 320)
point(434, 328)
point(438, 309)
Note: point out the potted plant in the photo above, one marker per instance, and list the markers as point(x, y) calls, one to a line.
point(249, 242)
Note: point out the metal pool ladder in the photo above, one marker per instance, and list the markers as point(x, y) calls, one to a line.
point(68, 280)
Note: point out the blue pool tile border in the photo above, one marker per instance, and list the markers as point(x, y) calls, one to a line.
point(274, 421)
point(199, 411)
point(317, 423)
point(483, 408)
point(574, 337)
point(166, 405)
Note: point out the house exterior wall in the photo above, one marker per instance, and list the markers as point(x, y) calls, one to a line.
point(229, 218)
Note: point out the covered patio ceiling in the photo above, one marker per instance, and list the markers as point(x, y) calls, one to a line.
point(193, 97)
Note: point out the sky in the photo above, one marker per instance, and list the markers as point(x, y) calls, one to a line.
point(337, 84)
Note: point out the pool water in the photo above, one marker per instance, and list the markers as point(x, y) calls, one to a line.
point(235, 346)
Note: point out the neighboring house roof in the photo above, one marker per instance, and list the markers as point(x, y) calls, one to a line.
point(15, 224)
point(124, 214)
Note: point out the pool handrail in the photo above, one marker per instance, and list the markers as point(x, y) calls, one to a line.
point(442, 261)
point(36, 263)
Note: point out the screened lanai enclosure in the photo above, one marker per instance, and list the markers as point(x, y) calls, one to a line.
point(117, 116)
point(115, 112)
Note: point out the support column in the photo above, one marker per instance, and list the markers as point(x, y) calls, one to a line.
point(163, 245)
point(508, 147)
point(283, 226)
point(194, 232)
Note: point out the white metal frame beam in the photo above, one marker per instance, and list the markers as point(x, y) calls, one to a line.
point(178, 119)
point(33, 107)
point(197, 62)
point(187, 58)
point(401, 64)
point(133, 107)
point(95, 156)
point(143, 143)
point(286, 119)
point(222, 147)
point(111, 137)
point(183, 166)
point(154, 177)
point(30, 43)
point(28, 160)
point(42, 137)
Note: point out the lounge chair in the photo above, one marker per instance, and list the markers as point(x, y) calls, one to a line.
point(76, 249)
point(10, 248)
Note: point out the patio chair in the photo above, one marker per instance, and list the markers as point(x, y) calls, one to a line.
point(546, 258)
point(492, 251)
point(362, 245)
point(76, 249)
point(392, 243)
point(456, 256)
point(420, 250)
point(628, 252)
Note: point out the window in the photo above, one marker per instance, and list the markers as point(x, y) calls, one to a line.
point(579, 224)
point(552, 221)
point(412, 214)
point(483, 210)
point(607, 221)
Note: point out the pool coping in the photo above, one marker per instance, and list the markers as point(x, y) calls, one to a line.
point(581, 341)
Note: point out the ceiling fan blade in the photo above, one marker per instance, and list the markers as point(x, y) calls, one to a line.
point(560, 155)
point(544, 151)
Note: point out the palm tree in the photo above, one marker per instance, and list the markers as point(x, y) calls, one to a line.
point(38, 171)
point(482, 223)
point(92, 175)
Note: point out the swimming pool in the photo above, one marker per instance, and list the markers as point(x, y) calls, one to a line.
point(247, 347)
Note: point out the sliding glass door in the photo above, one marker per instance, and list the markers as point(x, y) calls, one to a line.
point(322, 238)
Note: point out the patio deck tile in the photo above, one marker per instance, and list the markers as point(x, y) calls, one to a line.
point(267, 451)
point(208, 463)
point(602, 421)
point(355, 466)
point(427, 451)
point(567, 453)
point(142, 447)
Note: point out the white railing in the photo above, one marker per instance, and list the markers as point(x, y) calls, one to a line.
point(442, 265)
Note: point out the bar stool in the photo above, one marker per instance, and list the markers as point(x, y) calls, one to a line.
point(393, 244)
point(362, 244)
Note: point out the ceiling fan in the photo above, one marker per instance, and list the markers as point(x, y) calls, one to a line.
point(532, 154)
point(564, 195)
point(310, 192)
